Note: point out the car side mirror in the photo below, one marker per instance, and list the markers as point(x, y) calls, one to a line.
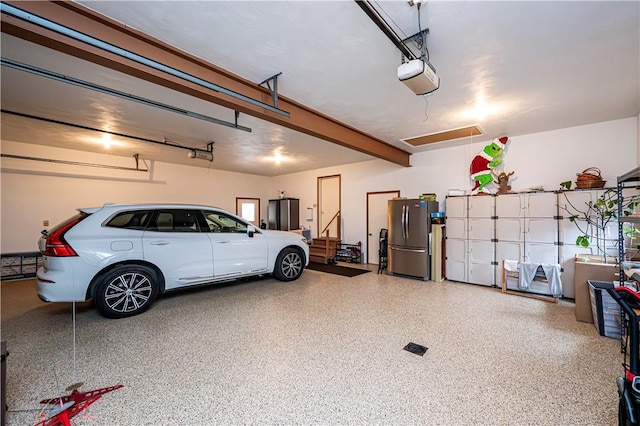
point(251, 230)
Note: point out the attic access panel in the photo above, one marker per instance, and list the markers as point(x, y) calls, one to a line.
point(447, 135)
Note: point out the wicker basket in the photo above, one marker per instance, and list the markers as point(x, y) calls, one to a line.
point(590, 178)
point(589, 184)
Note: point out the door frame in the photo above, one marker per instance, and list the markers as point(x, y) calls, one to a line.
point(239, 214)
point(397, 192)
point(318, 192)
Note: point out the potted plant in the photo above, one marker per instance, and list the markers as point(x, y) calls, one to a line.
point(594, 218)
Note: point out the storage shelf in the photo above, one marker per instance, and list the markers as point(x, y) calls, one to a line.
point(351, 253)
point(20, 265)
point(626, 180)
point(632, 176)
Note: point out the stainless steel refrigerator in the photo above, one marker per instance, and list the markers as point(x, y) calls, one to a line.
point(409, 247)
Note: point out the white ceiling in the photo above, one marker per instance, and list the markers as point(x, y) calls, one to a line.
point(530, 66)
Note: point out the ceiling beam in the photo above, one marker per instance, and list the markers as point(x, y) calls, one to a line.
point(79, 18)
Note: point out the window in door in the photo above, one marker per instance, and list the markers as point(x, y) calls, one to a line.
point(249, 210)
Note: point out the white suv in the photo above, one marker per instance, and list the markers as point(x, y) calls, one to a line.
point(123, 256)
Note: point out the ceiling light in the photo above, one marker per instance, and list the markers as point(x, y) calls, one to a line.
point(106, 141)
point(278, 157)
point(482, 110)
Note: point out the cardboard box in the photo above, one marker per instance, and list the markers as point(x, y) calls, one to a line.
point(590, 268)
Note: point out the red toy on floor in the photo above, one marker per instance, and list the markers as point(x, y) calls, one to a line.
point(70, 405)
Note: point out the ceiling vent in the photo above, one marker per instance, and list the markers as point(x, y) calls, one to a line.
point(447, 135)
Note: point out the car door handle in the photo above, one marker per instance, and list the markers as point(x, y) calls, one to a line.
point(223, 241)
point(159, 243)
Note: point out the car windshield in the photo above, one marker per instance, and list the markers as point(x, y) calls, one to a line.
point(221, 222)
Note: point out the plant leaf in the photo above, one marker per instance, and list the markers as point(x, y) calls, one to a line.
point(582, 241)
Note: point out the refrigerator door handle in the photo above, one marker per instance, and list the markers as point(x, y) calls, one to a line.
point(406, 222)
point(402, 221)
point(409, 250)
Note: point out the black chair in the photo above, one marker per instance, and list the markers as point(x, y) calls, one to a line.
point(382, 251)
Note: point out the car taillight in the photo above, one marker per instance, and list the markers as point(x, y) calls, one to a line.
point(56, 245)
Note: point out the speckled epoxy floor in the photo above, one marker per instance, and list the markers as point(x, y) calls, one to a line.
point(321, 350)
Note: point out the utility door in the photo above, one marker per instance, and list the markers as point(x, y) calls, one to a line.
point(329, 206)
point(377, 204)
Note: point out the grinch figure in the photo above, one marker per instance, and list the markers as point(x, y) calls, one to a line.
point(481, 165)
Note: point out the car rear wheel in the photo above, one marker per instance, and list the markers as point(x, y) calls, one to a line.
point(289, 265)
point(126, 291)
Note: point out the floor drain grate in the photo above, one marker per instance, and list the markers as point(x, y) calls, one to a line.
point(415, 348)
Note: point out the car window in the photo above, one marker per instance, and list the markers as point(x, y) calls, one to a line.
point(221, 222)
point(174, 220)
point(136, 219)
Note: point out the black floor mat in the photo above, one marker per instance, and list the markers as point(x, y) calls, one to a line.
point(336, 269)
point(415, 348)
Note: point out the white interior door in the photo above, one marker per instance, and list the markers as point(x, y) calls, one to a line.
point(328, 206)
point(377, 204)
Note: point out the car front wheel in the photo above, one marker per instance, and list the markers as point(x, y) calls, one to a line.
point(126, 291)
point(289, 265)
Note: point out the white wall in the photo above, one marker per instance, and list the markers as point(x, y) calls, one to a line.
point(37, 191)
point(541, 159)
point(32, 192)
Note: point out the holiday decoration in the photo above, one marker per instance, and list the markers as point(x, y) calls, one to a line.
point(481, 165)
point(503, 181)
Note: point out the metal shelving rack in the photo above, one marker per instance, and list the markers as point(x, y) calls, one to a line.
point(351, 253)
point(629, 179)
point(629, 301)
point(20, 265)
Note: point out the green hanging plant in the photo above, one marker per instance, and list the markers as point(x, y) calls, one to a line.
point(592, 219)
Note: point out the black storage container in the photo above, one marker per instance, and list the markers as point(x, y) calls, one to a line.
point(606, 311)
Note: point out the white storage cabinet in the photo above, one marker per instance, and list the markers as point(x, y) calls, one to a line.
point(527, 228)
point(470, 229)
